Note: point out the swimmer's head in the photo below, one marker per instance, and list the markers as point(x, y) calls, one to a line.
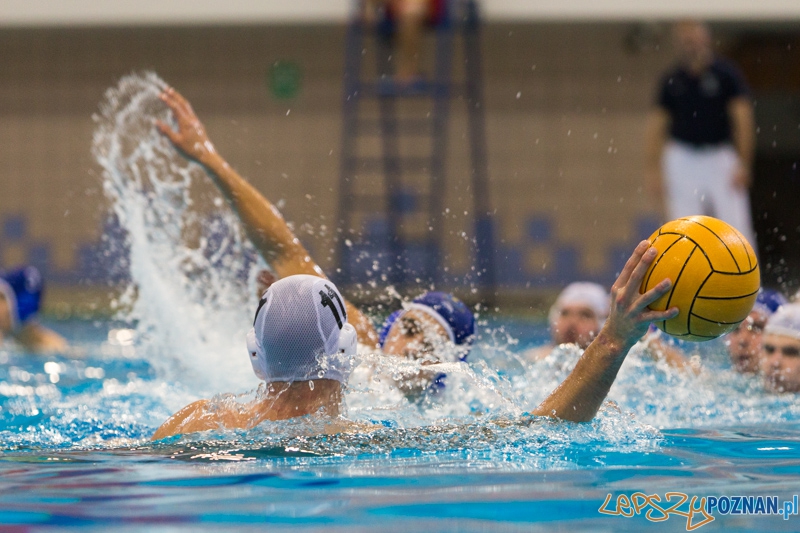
point(21, 294)
point(780, 360)
point(433, 323)
point(300, 332)
point(578, 313)
point(744, 343)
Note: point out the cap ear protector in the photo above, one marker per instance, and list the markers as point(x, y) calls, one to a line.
point(256, 355)
point(348, 340)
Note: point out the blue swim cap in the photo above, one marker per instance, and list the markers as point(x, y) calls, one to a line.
point(449, 311)
point(23, 291)
point(387, 325)
point(454, 312)
point(769, 300)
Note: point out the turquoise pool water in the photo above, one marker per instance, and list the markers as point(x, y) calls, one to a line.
point(75, 449)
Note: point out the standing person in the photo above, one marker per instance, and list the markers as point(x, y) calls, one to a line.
point(700, 136)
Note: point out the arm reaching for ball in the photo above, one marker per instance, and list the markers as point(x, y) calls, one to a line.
point(262, 221)
point(582, 393)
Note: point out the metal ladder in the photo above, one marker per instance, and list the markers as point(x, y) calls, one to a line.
point(396, 202)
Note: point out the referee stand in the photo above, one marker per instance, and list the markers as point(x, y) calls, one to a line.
point(387, 246)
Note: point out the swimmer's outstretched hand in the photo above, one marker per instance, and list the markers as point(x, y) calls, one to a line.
point(629, 315)
point(191, 138)
point(582, 393)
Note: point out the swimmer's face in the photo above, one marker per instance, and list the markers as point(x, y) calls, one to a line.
point(693, 41)
point(5, 315)
point(780, 363)
point(415, 335)
point(576, 324)
point(744, 343)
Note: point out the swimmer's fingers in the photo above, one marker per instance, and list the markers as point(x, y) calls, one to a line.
point(627, 270)
point(168, 97)
point(177, 102)
point(190, 138)
point(652, 295)
point(168, 132)
point(649, 315)
point(646, 258)
point(180, 107)
point(625, 292)
point(658, 316)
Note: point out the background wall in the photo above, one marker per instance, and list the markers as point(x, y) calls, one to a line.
point(565, 109)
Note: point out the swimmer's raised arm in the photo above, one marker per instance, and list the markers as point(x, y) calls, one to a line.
point(263, 222)
point(582, 393)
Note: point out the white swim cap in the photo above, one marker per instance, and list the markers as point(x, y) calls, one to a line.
point(591, 295)
point(301, 332)
point(785, 322)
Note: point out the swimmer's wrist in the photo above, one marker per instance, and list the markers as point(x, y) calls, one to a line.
point(212, 161)
point(613, 344)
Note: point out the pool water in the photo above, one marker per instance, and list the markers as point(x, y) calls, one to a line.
point(76, 452)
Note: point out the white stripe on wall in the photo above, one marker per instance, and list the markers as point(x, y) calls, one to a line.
point(136, 12)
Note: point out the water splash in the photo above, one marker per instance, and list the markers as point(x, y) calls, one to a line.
point(191, 268)
point(662, 396)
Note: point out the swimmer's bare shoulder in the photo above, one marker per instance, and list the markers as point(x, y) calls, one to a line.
point(205, 415)
point(194, 417)
point(220, 412)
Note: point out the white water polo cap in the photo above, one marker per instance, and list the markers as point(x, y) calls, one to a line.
point(585, 293)
point(300, 332)
point(785, 322)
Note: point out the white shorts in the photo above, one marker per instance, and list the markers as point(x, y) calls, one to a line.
point(699, 181)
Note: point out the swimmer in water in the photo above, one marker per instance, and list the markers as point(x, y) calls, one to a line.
point(575, 318)
point(744, 343)
point(780, 350)
point(301, 345)
point(431, 322)
point(20, 298)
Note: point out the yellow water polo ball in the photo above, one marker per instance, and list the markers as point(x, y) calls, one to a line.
point(714, 273)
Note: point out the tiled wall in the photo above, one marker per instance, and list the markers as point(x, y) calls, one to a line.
point(565, 108)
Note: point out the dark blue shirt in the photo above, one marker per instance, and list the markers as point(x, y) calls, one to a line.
point(698, 105)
